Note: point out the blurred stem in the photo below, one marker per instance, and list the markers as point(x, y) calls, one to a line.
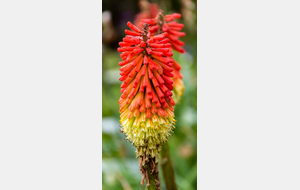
point(167, 168)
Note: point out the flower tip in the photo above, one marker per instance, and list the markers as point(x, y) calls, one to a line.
point(133, 27)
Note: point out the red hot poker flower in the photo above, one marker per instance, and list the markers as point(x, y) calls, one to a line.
point(146, 104)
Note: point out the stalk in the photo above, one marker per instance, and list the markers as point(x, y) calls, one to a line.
point(152, 184)
point(167, 168)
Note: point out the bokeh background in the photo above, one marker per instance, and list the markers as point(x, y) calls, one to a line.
point(120, 169)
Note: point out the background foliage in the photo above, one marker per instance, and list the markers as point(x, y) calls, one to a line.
point(120, 167)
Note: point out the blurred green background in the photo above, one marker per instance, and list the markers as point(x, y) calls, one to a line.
point(120, 169)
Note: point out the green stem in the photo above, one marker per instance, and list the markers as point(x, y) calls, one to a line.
point(152, 184)
point(167, 168)
point(150, 173)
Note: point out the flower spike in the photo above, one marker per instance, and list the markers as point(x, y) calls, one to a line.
point(146, 103)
